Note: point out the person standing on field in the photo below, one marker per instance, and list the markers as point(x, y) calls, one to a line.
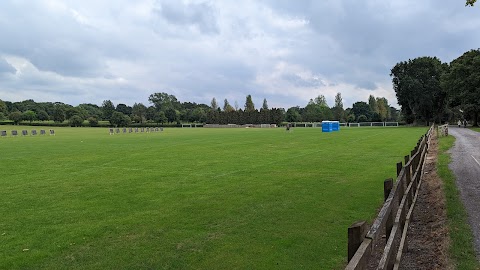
point(459, 123)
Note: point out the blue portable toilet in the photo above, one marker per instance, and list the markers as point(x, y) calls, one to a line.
point(335, 125)
point(326, 126)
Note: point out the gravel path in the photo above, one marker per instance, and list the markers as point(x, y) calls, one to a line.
point(466, 167)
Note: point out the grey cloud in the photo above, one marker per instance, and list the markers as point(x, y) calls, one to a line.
point(5, 67)
point(65, 61)
point(302, 82)
point(201, 15)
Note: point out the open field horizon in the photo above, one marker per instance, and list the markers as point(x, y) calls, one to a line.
point(191, 198)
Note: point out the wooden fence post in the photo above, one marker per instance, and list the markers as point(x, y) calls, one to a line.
point(387, 187)
point(356, 234)
point(407, 158)
point(399, 168)
point(408, 173)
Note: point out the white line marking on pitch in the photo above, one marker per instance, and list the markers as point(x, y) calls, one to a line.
point(476, 160)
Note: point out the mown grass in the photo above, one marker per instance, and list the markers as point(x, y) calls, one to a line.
point(191, 198)
point(461, 249)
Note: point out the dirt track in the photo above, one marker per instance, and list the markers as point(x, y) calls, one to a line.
point(466, 168)
point(428, 232)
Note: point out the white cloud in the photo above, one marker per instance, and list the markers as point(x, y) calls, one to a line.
point(285, 51)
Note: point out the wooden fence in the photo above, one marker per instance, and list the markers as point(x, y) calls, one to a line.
point(394, 216)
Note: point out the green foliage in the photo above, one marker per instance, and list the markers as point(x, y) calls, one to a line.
point(214, 104)
point(91, 110)
point(227, 107)
point(43, 115)
point(321, 101)
point(265, 104)
point(418, 89)
point(249, 106)
point(2, 116)
point(372, 103)
point(199, 115)
point(16, 117)
point(3, 107)
point(93, 121)
point(75, 121)
point(139, 112)
point(362, 118)
point(293, 115)
point(361, 108)
point(59, 113)
point(337, 110)
point(160, 117)
point(119, 119)
point(107, 109)
point(462, 81)
point(163, 101)
point(191, 198)
point(351, 118)
point(461, 248)
point(383, 109)
point(171, 115)
point(470, 2)
point(123, 108)
point(29, 116)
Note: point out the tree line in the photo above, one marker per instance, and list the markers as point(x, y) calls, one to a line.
point(166, 108)
point(431, 91)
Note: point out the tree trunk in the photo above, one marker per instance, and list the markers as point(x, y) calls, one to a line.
point(475, 119)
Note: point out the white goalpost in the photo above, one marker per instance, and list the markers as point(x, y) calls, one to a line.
point(374, 124)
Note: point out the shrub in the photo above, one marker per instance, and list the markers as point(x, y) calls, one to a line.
point(362, 118)
point(75, 121)
point(93, 121)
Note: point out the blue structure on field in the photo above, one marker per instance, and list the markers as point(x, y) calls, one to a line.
point(329, 126)
point(335, 125)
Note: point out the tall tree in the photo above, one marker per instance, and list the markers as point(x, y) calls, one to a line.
point(361, 108)
point(372, 102)
point(321, 100)
point(16, 117)
point(417, 86)
point(227, 107)
point(29, 115)
point(462, 81)
point(293, 115)
point(383, 109)
point(171, 115)
point(265, 105)
point(338, 111)
point(59, 113)
point(119, 119)
point(214, 104)
point(249, 106)
point(139, 112)
point(163, 101)
point(127, 110)
point(107, 109)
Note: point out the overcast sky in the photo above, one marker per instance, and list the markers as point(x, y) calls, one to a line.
point(287, 51)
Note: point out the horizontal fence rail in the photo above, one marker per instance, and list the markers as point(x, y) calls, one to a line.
point(393, 218)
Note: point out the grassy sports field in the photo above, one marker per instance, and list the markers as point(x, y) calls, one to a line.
point(191, 198)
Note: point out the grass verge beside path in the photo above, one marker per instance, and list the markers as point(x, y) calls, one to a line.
point(462, 252)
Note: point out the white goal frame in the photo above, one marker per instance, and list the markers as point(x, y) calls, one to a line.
point(374, 124)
